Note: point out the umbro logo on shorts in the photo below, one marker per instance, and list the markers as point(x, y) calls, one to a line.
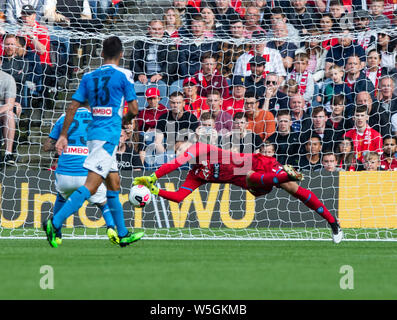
point(99, 168)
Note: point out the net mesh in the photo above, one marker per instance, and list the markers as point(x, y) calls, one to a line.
point(346, 49)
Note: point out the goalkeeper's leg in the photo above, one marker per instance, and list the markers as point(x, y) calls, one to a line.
point(310, 200)
point(281, 174)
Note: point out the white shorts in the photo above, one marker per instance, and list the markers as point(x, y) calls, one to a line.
point(101, 158)
point(66, 185)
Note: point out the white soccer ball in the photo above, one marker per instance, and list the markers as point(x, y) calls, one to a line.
point(139, 196)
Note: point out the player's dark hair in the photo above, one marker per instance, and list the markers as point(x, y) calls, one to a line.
point(205, 116)
point(208, 55)
point(361, 108)
point(239, 115)
point(22, 41)
point(317, 110)
point(176, 94)
point(112, 47)
point(197, 17)
point(249, 94)
point(389, 136)
point(328, 153)
point(374, 50)
point(277, 10)
point(315, 135)
point(283, 112)
point(338, 99)
point(268, 143)
point(335, 3)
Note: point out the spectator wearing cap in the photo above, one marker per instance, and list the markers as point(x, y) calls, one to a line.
point(209, 78)
point(148, 117)
point(255, 82)
point(259, 48)
point(13, 10)
point(252, 21)
point(259, 121)
point(38, 40)
point(230, 51)
point(190, 53)
point(366, 37)
point(153, 61)
point(194, 103)
point(223, 120)
point(235, 103)
point(37, 36)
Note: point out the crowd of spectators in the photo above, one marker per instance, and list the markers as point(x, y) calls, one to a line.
point(259, 76)
point(311, 83)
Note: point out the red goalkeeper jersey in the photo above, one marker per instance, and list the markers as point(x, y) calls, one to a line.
point(212, 164)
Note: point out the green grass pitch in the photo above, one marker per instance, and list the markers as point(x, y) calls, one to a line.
point(198, 269)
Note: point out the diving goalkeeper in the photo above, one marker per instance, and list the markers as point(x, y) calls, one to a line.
point(251, 171)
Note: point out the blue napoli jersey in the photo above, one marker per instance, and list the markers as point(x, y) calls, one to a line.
point(71, 161)
point(106, 89)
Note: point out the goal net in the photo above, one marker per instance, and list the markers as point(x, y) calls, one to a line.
point(254, 76)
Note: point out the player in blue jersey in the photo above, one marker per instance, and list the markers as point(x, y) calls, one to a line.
point(106, 89)
point(70, 172)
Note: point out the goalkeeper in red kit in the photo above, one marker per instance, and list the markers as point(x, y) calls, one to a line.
point(254, 172)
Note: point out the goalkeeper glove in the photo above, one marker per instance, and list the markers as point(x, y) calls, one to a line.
point(147, 181)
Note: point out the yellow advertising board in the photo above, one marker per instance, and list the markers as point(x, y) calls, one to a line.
point(368, 199)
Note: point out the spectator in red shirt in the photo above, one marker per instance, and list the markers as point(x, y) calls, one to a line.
point(148, 117)
point(37, 36)
point(364, 137)
point(209, 78)
point(388, 158)
point(38, 40)
point(194, 103)
point(235, 103)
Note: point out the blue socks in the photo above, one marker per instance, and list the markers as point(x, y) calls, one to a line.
point(72, 205)
point(59, 202)
point(107, 215)
point(117, 211)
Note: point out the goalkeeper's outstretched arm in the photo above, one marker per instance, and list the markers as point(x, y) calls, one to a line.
point(187, 188)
